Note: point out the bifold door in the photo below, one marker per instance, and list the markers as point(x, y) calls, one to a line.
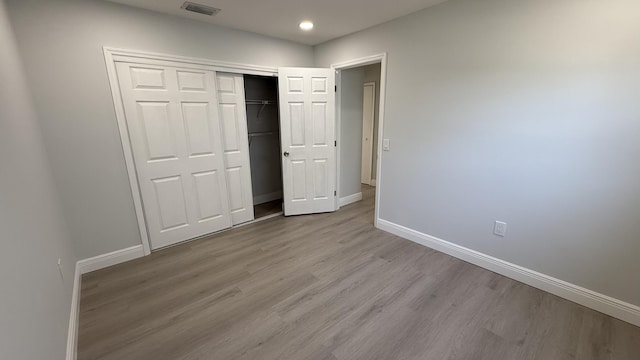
point(307, 120)
point(174, 129)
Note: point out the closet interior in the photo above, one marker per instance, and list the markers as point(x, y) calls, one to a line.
point(263, 125)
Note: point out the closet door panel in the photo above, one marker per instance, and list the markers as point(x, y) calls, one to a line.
point(230, 119)
point(236, 145)
point(173, 124)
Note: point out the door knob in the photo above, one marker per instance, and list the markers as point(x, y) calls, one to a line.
point(286, 154)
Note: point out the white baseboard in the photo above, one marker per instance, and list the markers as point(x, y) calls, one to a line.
point(109, 259)
point(72, 334)
point(591, 299)
point(261, 199)
point(349, 199)
point(83, 267)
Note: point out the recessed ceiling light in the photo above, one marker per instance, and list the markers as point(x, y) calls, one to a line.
point(306, 25)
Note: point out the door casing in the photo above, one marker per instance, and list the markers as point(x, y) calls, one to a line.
point(363, 61)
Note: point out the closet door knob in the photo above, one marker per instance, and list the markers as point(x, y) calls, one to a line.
point(286, 154)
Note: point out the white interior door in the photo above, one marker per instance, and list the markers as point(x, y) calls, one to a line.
point(368, 112)
point(233, 116)
point(172, 118)
point(307, 121)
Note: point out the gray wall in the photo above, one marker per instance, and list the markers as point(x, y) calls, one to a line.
point(61, 42)
point(372, 74)
point(351, 93)
point(522, 111)
point(36, 300)
point(351, 99)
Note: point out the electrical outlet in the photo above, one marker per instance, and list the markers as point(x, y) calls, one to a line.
point(500, 228)
point(60, 268)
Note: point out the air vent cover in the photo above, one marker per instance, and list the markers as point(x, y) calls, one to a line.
point(199, 8)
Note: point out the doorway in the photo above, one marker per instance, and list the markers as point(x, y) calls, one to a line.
point(359, 118)
point(263, 125)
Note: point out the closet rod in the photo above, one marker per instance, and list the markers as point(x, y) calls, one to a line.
point(259, 102)
point(261, 133)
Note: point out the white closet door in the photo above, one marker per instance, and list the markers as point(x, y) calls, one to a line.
point(172, 118)
point(233, 117)
point(307, 121)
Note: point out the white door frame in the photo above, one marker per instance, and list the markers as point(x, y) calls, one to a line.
point(369, 149)
point(338, 67)
point(113, 55)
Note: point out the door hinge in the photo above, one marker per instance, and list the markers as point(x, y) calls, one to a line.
point(336, 88)
point(335, 193)
point(335, 143)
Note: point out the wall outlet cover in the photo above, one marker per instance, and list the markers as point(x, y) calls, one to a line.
point(500, 228)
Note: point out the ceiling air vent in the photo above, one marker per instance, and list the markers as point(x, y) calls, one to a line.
point(199, 8)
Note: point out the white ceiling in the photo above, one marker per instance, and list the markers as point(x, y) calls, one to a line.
point(280, 18)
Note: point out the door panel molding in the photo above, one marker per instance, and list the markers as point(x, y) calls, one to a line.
point(153, 58)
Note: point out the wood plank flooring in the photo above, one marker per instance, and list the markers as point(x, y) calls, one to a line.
point(330, 287)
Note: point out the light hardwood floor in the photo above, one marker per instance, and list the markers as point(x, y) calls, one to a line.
point(330, 287)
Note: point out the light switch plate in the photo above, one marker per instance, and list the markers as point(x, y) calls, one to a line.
point(385, 145)
point(500, 228)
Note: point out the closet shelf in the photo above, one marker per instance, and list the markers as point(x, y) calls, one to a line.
point(261, 133)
